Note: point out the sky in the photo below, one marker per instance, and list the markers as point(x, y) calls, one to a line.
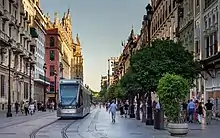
point(101, 25)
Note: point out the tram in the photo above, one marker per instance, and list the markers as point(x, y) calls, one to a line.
point(74, 99)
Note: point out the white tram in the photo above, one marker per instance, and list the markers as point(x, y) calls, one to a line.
point(74, 99)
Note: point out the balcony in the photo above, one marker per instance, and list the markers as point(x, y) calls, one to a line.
point(13, 43)
point(41, 78)
point(26, 16)
point(33, 32)
point(33, 43)
point(22, 12)
point(4, 38)
point(19, 48)
point(12, 21)
point(6, 16)
point(22, 31)
point(29, 19)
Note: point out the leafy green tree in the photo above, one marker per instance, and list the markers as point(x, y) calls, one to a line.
point(163, 56)
point(172, 90)
point(132, 88)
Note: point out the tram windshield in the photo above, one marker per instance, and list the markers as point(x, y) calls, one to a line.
point(68, 94)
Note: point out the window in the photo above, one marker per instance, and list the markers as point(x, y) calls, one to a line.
point(213, 18)
point(211, 45)
point(215, 42)
point(3, 26)
point(197, 49)
point(51, 70)
point(51, 55)
point(10, 10)
point(52, 89)
point(52, 41)
point(207, 47)
point(2, 86)
point(197, 2)
point(25, 90)
point(10, 31)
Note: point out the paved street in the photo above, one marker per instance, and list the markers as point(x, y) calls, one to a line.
point(96, 125)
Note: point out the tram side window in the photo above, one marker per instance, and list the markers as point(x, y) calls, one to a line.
point(80, 97)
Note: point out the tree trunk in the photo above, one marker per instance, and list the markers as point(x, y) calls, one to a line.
point(132, 115)
point(143, 109)
point(138, 107)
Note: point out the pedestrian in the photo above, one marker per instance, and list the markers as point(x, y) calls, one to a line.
point(31, 108)
point(126, 106)
point(16, 107)
point(26, 108)
point(200, 112)
point(208, 107)
point(121, 109)
point(112, 110)
point(191, 110)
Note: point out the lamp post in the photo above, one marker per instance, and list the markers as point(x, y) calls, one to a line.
point(149, 120)
point(9, 114)
point(45, 70)
point(55, 89)
point(30, 71)
point(131, 47)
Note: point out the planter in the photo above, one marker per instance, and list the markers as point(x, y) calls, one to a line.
point(177, 129)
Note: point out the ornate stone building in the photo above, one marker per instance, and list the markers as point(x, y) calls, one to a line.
point(63, 55)
point(206, 45)
point(16, 52)
point(77, 61)
point(165, 20)
point(187, 24)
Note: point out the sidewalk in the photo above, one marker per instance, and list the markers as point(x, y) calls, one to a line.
point(132, 128)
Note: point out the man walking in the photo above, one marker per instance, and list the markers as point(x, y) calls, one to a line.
point(208, 107)
point(112, 110)
point(191, 109)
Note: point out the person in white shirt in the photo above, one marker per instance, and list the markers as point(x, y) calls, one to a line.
point(31, 108)
point(112, 110)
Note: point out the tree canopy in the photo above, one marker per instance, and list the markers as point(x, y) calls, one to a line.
point(129, 83)
point(163, 56)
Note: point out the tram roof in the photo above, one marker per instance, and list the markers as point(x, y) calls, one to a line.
point(71, 81)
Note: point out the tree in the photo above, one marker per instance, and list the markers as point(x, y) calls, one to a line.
point(163, 56)
point(132, 88)
point(172, 90)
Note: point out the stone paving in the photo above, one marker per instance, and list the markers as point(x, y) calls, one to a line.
point(131, 128)
point(25, 125)
point(98, 125)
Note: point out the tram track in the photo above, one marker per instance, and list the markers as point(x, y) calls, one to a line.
point(63, 130)
point(23, 121)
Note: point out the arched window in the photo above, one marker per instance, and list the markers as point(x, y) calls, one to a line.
point(51, 41)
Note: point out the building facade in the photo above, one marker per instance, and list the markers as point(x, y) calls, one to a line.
point(164, 20)
point(206, 45)
point(16, 53)
point(62, 55)
point(77, 61)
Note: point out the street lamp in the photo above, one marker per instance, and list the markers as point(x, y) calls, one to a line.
point(30, 77)
point(55, 89)
point(45, 70)
point(9, 114)
point(131, 47)
point(149, 120)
